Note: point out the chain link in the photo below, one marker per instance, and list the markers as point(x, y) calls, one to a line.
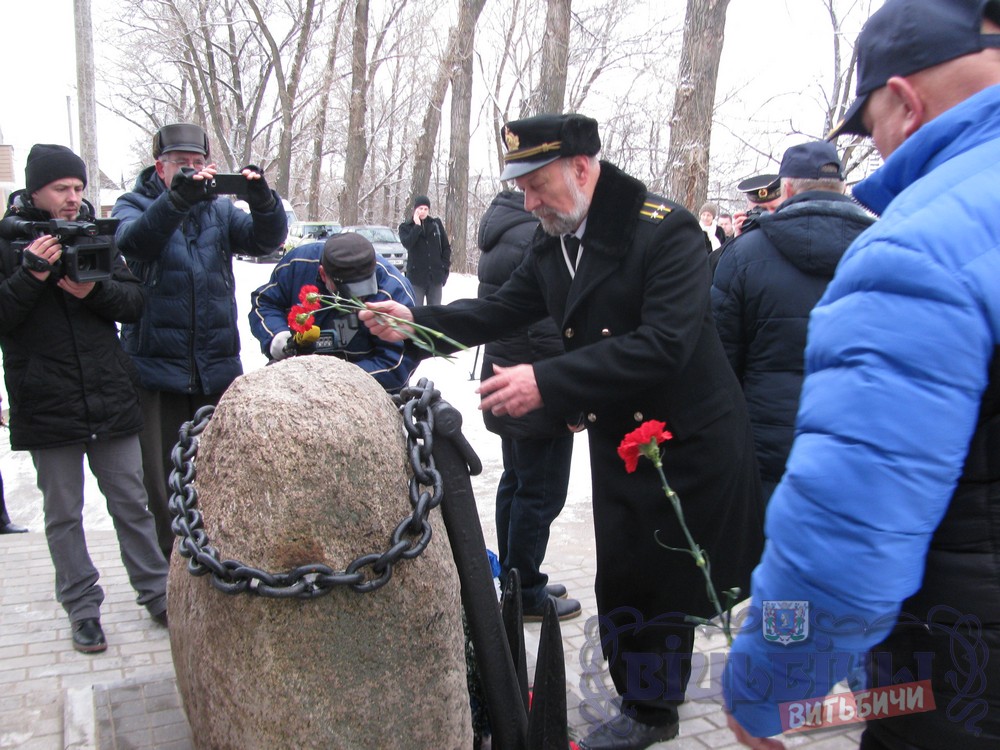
point(366, 573)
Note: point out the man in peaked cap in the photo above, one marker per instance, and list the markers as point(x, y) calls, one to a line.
point(624, 275)
point(894, 467)
point(345, 264)
point(768, 281)
point(179, 239)
point(763, 193)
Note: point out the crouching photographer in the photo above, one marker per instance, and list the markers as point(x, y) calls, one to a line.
point(73, 391)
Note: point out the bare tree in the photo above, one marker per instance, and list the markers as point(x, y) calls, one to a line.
point(550, 92)
point(357, 144)
point(456, 197)
point(694, 99)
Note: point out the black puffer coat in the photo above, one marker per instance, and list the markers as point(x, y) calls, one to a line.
point(766, 284)
point(505, 234)
point(68, 379)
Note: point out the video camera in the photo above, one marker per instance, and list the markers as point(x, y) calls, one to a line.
point(88, 247)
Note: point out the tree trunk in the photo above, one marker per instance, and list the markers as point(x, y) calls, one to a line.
point(319, 133)
point(550, 93)
point(85, 100)
point(457, 197)
point(357, 144)
point(691, 123)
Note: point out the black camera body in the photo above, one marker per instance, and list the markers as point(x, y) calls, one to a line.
point(221, 184)
point(88, 247)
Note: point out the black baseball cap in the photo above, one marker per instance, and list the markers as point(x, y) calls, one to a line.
point(349, 261)
point(906, 36)
point(815, 160)
point(536, 141)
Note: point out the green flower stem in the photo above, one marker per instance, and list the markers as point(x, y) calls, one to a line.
point(422, 336)
point(700, 558)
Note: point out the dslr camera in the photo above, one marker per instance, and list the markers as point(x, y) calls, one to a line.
point(88, 247)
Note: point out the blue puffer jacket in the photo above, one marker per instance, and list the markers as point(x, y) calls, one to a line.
point(893, 483)
point(765, 286)
point(187, 340)
point(389, 363)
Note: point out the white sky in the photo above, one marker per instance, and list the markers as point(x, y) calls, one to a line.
point(772, 47)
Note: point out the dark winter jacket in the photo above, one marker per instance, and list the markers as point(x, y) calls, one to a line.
point(505, 233)
point(187, 342)
point(767, 282)
point(67, 377)
point(640, 345)
point(428, 252)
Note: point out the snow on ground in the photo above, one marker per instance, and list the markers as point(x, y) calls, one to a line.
point(456, 379)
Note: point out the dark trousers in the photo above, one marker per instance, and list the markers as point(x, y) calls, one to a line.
point(870, 742)
point(531, 493)
point(4, 518)
point(427, 295)
point(163, 413)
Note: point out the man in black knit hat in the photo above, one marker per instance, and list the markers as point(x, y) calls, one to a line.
point(428, 259)
point(73, 391)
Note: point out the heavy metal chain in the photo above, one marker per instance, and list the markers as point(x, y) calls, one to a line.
point(364, 574)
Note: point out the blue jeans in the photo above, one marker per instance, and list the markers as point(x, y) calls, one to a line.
point(531, 493)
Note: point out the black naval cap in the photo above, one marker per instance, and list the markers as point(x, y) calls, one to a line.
point(761, 188)
point(536, 141)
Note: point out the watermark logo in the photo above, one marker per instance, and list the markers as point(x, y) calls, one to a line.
point(853, 708)
point(785, 622)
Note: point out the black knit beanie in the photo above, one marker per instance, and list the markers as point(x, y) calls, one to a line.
point(48, 162)
point(421, 200)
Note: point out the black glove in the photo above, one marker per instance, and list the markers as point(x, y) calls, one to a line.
point(259, 196)
point(185, 191)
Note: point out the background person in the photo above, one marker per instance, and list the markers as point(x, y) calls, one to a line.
point(538, 447)
point(894, 467)
point(623, 273)
point(768, 281)
point(73, 394)
point(428, 253)
point(346, 263)
point(179, 239)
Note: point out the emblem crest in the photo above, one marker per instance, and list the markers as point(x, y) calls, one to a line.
point(785, 622)
point(513, 142)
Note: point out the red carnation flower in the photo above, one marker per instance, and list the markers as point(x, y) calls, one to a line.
point(643, 441)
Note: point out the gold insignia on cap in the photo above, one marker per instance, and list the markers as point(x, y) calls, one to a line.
point(762, 193)
point(513, 142)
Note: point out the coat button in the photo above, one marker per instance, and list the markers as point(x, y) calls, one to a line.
point(591, 417)
point(605, 332)
point(637, 416)
point(568, 333)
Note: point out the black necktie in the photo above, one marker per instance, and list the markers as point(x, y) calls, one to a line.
point(572, 243)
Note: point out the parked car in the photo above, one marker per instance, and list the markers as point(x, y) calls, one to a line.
point(279, 252)
point(309, 231)
point(385, 240)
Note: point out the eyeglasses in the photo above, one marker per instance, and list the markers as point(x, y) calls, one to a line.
point(196, 163)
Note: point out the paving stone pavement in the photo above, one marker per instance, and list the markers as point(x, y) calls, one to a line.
point(52, 697)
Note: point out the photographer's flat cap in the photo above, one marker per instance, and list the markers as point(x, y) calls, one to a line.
point(181, 136)
point(906, 36)
point(761, 188)
point(349, 261)
point(816, 160)
point(536, 141)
